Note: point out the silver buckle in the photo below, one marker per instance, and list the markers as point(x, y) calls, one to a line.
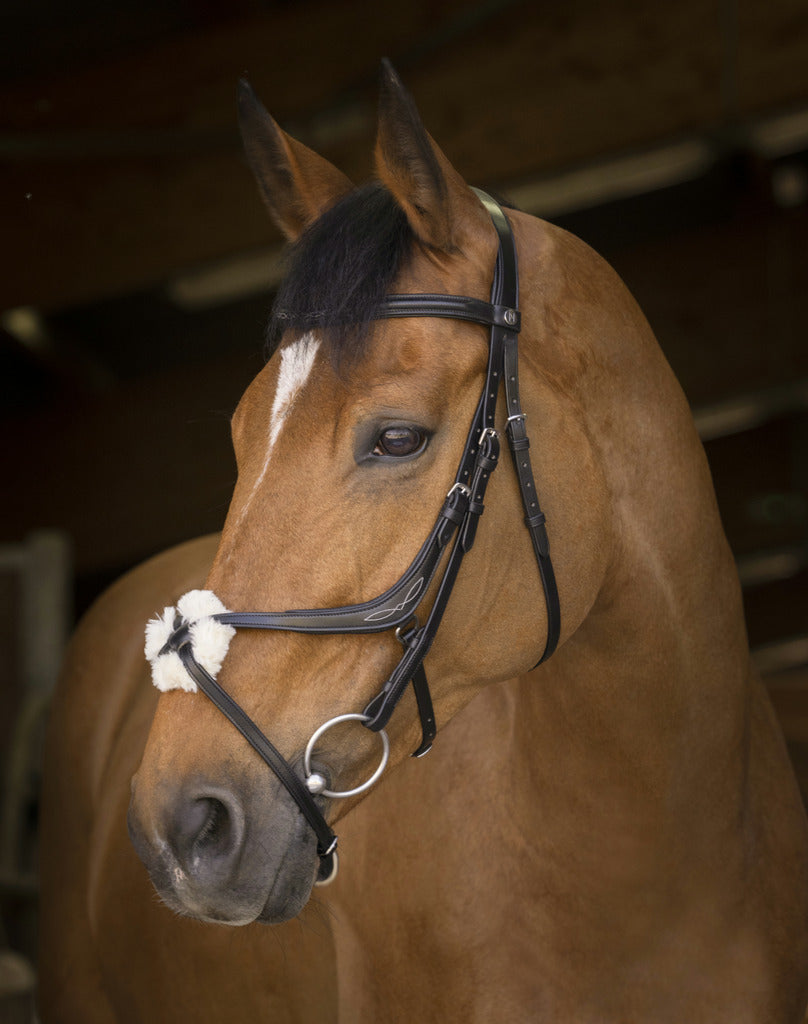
point(411, 623)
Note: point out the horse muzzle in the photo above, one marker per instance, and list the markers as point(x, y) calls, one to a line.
point(222, 853)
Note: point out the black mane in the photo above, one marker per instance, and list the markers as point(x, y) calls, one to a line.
point(340, 269)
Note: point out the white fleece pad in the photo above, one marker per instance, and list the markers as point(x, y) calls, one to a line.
point(209, 640)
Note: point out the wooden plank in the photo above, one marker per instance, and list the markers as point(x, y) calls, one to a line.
point(770, 63)
point(763, 499)
point(118, 174)
point(130, 471)
point(727, 297)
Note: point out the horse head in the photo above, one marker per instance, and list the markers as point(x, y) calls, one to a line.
point(347, 443)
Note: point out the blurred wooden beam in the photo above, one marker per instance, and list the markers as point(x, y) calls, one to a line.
point(118, 175)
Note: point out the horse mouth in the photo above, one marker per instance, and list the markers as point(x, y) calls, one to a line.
point(244, 901)
point(269, 880)
point(289, 894)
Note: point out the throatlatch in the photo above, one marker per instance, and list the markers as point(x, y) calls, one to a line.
point(183, 635)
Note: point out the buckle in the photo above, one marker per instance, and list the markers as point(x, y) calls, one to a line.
point(488, 450)
point(405, 631)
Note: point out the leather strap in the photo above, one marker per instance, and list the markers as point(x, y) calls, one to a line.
point(419, 642)
point(506, 291)
point(429, 729)
point(391, 609)
point(326, 839)
point(519, 444)
point(450, 307)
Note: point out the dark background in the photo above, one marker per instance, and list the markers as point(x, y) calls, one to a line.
point(138, 263)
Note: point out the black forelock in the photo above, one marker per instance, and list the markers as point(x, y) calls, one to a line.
point(340, 269)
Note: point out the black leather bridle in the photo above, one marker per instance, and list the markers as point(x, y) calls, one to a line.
point(457, 519)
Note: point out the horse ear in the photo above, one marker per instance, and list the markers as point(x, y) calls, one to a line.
point(437, 201)
point(296, 184)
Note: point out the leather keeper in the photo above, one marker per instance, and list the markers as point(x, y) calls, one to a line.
point(454, 514)
point(520, 444)
point(543, 541)
point(469, 531)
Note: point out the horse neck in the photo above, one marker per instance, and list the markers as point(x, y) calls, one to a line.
point(658, 668)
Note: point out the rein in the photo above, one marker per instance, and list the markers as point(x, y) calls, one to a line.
point(456, 524)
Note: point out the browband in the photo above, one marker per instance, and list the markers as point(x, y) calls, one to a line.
point(451, 307)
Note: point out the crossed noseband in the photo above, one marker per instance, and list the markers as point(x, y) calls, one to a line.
point(192, 638)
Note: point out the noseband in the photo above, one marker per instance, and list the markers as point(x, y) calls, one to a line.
point(457, 521)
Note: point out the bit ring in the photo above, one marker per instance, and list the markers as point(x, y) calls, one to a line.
point(314, 780)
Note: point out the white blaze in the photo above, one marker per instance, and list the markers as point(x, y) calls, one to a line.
point(296, 364)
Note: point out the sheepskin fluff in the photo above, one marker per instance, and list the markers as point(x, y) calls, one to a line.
point(209, 640)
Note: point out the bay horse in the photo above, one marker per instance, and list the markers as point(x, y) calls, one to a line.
point(607, 829)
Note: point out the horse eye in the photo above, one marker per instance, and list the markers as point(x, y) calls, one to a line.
point(399, 441)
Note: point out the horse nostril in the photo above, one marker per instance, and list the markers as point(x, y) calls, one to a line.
point(217, 829)
point(208, 831)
